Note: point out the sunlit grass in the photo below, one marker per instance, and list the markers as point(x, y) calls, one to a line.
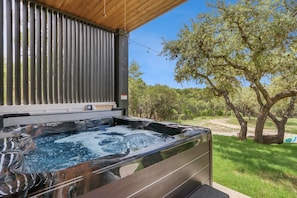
point(254, 169)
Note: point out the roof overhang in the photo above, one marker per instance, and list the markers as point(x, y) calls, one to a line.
point(114, 14)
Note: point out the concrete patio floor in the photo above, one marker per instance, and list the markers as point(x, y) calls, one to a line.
point(230, 192)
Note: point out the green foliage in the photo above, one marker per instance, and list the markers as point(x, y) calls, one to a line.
point(137, 88)
point(195, 102)
point(160, 102)
point(157, 102)
point(134, 71)
point(247, 41)
point(246, 102)
point(164, 103)
point(236, 164)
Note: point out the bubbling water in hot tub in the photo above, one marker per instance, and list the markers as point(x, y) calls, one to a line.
point(59, 151)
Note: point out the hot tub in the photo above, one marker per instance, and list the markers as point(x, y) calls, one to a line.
point(102, 155)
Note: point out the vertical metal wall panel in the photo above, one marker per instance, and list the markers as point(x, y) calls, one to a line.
point(105, 71)
point(48, 57)
point(1, 53)
point(112, 66)
point(25, 53)
point(17, 53)
point(87, 64)
point(81, 62)
point(86, 68)
point(100, 62)
point(96, 88)
point(73, 61)
point(84, 63)
point(94, 64)
point(68, 78)
point(91, 68)
point(9, 62)
point(38, 55)
point(32, 54)
point(44, 69)
point(60, 60)
point(101, 67)
point(106, 66)
point(76, 65)
point(55, 59)
point(64, 59)
point(109, 66)
point(92, 50)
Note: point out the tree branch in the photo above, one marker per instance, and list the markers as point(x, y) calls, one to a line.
point(251, 77)
point(257, 94)
point(285, 94)
point(286, 114)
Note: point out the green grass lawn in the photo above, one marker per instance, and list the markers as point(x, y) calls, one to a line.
point(254, 169)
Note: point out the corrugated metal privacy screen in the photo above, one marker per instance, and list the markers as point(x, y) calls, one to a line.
point(47, 57)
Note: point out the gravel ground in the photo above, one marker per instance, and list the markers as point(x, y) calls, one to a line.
point(222, 127)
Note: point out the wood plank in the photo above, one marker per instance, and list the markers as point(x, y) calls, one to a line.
point(138, 11)
point(156, 11)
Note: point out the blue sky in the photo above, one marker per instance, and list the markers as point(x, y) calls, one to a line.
point(146, 42)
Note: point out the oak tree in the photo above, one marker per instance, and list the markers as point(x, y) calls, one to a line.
point(250, 41)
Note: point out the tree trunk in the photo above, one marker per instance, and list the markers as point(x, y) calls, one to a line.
point(279, 138)
point(243, 124)
point(280, 124)
point(272, 139)
point(243, 129)
point(261, 119)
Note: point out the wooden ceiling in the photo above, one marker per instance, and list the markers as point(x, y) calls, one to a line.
point(114, 14)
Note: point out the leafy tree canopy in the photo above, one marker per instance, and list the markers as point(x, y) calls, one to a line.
point(250, 40)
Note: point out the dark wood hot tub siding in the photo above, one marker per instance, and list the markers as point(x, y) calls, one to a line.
point(176, 176)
